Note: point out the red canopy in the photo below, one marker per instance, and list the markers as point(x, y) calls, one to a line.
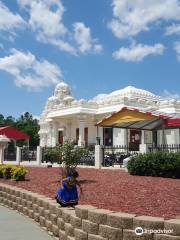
point(172, 122)
point(13, 133)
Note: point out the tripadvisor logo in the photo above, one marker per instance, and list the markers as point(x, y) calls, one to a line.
point(139, 231)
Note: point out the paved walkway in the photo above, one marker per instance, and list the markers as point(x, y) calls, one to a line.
point(14, 226)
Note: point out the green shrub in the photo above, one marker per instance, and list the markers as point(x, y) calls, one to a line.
point(1, 172)
point(160, 164)
point(12, 172)
point(19, 173)
point(53, 155)
point(7, 171)
point(71, 156)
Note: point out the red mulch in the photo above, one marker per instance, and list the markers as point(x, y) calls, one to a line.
point(112, 189)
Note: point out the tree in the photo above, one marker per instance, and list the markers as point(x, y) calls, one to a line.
point(71, 156)
point(27, 124)
point(1, 120)
point(9, 121)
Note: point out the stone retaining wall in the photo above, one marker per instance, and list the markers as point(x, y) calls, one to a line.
point(84, 222)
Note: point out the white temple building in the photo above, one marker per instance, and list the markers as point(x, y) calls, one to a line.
point(65, 118)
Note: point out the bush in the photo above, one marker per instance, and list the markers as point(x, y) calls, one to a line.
point(1, 171)
point(71, 156)
point(53, 155)
point(12, 172)
point(160, 164)
point(19, 173)
point(7, 171)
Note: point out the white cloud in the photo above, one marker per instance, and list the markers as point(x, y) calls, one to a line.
point(177, 49)
point(169, 95)
point(10, 21)
point(136, 53)
point(133, 17)
point(173, 29)
point(30, 72)
point(83, 38)
point(45, 19)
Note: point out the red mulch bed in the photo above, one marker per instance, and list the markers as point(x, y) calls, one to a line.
point(112, 189)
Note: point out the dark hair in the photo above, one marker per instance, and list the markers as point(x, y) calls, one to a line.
point(74, 174)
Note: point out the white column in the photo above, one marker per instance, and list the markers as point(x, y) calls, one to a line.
point(1, 154)
point(143, 147)
point(142, 137)
point(68, 132)
point(3, 143)
point(98, 156)
point(39, 155)
point(54, 134)
point(81, 132)
point(18, 155)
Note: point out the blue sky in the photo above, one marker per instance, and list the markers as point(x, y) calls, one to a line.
point(95, 46)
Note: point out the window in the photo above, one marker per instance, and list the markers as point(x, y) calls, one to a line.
point(108, 136)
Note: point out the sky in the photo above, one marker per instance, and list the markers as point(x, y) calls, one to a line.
point(95, 46)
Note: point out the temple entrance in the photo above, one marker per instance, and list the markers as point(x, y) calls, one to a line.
point(135, 140)
point(60, 137)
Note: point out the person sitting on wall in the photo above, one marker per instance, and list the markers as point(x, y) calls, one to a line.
point(67, 195)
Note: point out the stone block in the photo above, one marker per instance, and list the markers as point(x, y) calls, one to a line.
point(98, 216)
point(59, 212)
point(95, 237)
point(70, 238)
point(25, 211)
point(35, 207)
point(80, 234)
point(110, 232)
point(173, 224)
point(120, 220)
point(47, 214)
point(130, 235)
point(29, 205)
point(165, 237)
point(41, 211)
point(53, 219)
point(66, 214)
point(82, 211)
point(48, 225)
point(14, 205)
point(60, 223)
point(75, 222)
point(69, 230)
point(45, 204)
point(62, 235)
point(42, 221)
point(90, 227)
point(18, 200)
point(55, 230)
point(148, 222)
point(24, 202)
point(36, 216)
point(30, 213)
point(39, 202)
point(20, 208)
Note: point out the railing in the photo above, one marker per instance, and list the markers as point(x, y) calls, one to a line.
point(89, 160)
point(28, 154)
point(165, 148)
point(10, 154)
point(114, 155)
point(53, 157)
